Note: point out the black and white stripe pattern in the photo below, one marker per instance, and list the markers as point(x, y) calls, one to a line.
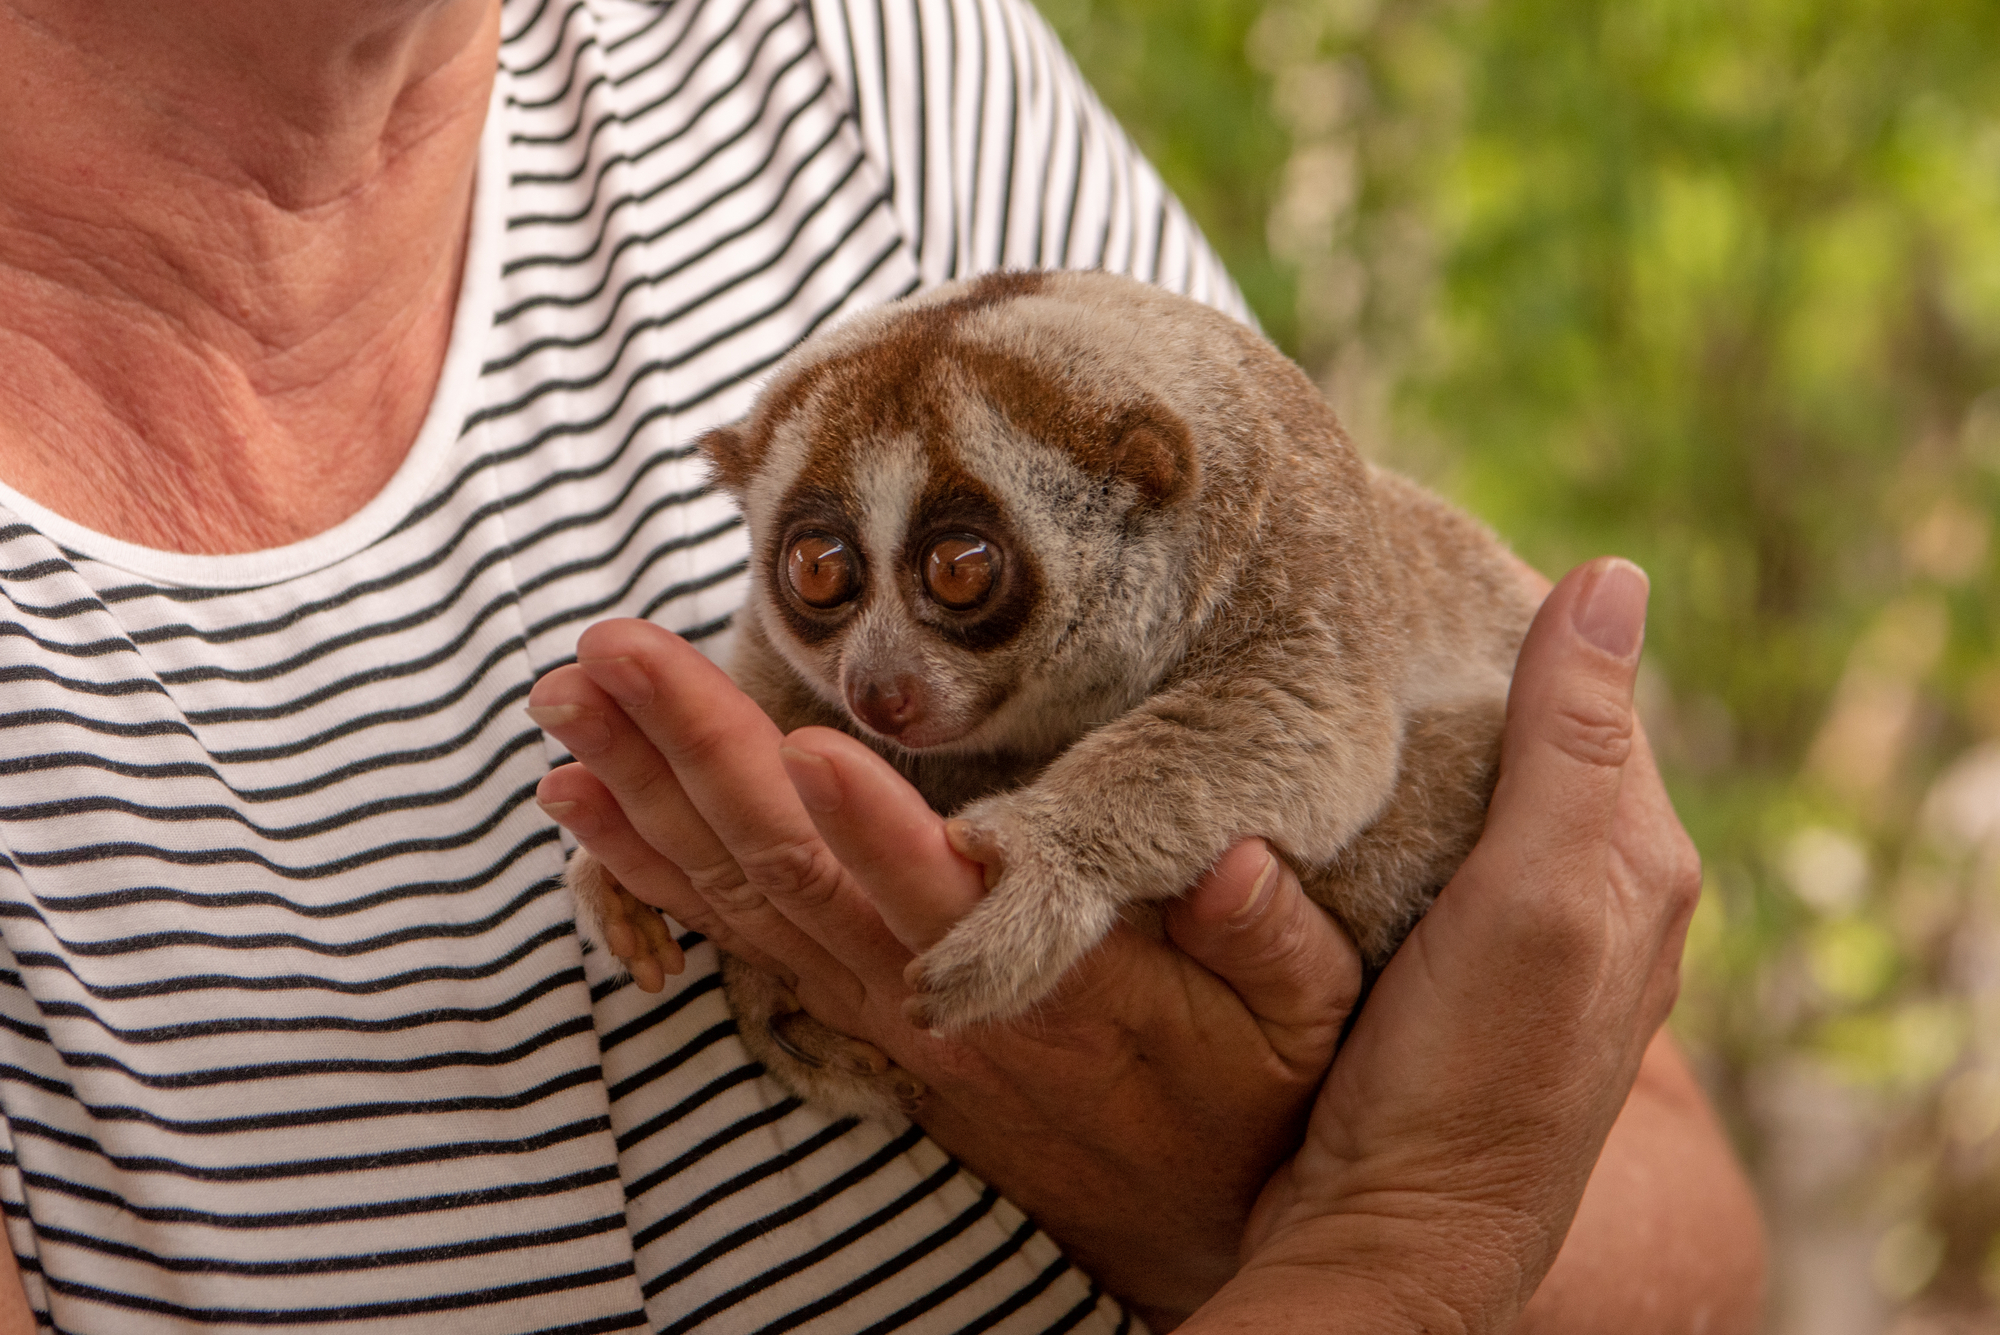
point(298, 1030)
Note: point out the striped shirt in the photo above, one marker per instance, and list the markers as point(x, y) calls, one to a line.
point(298, 1030)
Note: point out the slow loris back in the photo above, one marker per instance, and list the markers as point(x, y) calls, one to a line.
point(1096, 567)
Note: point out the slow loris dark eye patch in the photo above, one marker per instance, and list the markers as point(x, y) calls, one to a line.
point(964, 563)
point(816, 572)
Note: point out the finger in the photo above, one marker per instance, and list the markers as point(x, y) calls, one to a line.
point(655, 821)
point(1522, 994)
point(723, 752)
point(571, 708)
point(1570, 729)
point(883, 832)
point(1249, 922)
point(576, 800)
point(1531, 938)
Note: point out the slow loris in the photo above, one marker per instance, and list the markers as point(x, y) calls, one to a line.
point(1097, 569)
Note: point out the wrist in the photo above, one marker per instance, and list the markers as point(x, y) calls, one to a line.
point(1386, 1273)
point(1281, 1299)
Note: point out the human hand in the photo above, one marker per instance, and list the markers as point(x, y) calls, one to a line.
point(1139, 1111)
point(1447, 1152)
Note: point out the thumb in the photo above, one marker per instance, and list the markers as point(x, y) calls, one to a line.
point(1570, 728)
point(1249, 923)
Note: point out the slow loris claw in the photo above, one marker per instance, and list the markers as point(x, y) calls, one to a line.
point(978, 843)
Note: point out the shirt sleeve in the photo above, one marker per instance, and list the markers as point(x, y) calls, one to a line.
point(997, 153)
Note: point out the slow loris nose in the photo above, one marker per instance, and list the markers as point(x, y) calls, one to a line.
point(887, 708)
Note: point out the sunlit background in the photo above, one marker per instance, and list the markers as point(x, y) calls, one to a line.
point(1714, 284)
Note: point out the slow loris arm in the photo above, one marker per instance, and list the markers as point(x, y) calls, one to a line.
point(1141, 806)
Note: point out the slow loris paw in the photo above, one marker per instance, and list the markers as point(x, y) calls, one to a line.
point(632, 931)
point(844, 1076)
point(1040, 916)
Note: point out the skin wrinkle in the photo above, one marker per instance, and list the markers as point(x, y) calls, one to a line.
point(109, 463)
point(315, 109)
point(130, 444)
point(188, 333)
point(197, 328)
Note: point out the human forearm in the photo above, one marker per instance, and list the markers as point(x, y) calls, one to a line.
point(1282, 1300)
point(17, 1317)
point(1667, 1238)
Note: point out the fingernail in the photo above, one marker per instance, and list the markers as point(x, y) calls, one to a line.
point(572, 816)
point(1611, 614)
point(818, 786)
point(582, 730)
point(622, 679)
point(1253, 903)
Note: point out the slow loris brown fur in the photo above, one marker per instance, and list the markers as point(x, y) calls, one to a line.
point(1097, 569)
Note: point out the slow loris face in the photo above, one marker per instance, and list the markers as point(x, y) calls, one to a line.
point(908, 609)
point(958, 576)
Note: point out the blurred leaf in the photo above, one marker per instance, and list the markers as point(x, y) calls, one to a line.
point(1853, 960)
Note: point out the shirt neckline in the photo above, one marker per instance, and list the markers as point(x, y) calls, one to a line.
point(442, 424)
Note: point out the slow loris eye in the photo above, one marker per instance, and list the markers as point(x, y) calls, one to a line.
point(959, 570)
point(823, 570)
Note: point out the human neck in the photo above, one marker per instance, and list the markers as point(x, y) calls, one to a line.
point(230, 239)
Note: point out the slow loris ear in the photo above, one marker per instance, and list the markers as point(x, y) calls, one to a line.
point(731, 451)
point(1151, 450)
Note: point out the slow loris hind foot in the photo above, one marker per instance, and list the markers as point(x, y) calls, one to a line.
point(634, 932)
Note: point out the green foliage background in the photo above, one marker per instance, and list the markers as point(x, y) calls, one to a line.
point(1714, 284)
